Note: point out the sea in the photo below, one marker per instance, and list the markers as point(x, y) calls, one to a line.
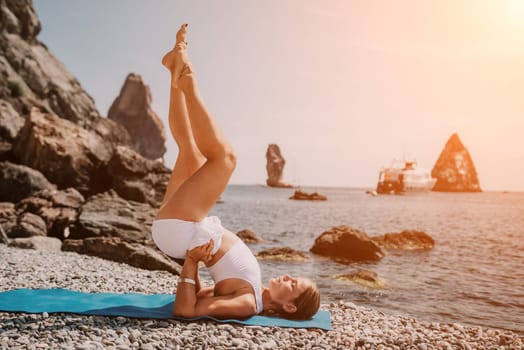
point(474, 275)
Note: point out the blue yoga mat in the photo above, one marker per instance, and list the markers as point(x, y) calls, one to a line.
point(130, 305)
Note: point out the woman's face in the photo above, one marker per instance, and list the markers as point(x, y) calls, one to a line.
point(285, 289)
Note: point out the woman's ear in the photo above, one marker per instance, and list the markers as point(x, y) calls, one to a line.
point(289, 308)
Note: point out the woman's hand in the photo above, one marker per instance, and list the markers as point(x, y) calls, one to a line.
point(201, 253)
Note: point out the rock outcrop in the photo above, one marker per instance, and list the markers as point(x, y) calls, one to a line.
point(347, 245)
point(454, 169)
point(304, 196)
point(282, 254)
point(132, 109)
point(405, 240)
point(275, 167)
point(65, 171)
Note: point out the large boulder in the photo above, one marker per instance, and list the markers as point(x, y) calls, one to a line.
point(59, 209)
point(19, 181)
point(136, 178)
point(405, 240)
point(116, 249)
point(282, 254)
point(347, 244)
point(275, 167)
point(50, 244)
point(132, 109)
point(454, 169)
point(107, 214)
point(65, 153)
point(28, 225)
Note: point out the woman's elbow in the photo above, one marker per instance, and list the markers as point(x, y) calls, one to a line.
point(183, 312)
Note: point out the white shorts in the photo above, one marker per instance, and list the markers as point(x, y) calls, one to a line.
point(175, 237)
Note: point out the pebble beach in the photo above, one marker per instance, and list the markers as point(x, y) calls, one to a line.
point(354, 327)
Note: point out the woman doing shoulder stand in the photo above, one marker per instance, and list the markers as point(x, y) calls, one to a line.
point(183, 230)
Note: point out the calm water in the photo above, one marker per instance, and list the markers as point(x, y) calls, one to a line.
point(474, 275)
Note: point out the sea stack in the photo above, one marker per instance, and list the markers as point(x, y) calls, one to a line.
point(454, 169)
point(132, 109)
point(275, 167)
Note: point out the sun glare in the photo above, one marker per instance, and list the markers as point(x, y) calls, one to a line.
point(515, 12)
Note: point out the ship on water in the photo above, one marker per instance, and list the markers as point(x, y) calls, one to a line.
point(405, 176)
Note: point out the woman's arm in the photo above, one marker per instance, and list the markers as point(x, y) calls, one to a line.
point(189, 303)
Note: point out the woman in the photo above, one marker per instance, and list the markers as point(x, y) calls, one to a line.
point(182, 229)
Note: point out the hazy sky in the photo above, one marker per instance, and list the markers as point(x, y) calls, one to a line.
point(343, 87)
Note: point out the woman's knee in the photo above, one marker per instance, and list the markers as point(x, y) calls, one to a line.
point(226, 155)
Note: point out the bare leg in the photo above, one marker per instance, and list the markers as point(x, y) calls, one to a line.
point(189, 158)
point(194, 199)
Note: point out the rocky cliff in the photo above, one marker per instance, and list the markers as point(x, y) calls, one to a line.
point(454, 169)
point(66, 171)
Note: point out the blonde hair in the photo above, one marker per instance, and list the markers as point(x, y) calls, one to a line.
point(307, 305)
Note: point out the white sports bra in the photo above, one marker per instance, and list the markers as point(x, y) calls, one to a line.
point(239, 262)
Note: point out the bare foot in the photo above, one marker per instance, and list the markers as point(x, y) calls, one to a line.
point(177, 60)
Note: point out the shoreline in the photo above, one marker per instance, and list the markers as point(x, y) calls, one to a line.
point(353, 326)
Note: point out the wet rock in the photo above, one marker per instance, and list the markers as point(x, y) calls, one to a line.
point(248, 236)
point(132, 109)
point(282, 254)
point(116, 249)
point(301, 195)
point(107, 214)
point(136, 178)
point(59, 209)
point(405, 240)
point(454, 169)
point(28, 225)
point(275, 167)
point(347, 244)
point(66, 154)
point(19, 181)
point(38, 243)
point(363, 277)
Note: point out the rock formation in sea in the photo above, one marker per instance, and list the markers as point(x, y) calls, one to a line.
point(347, 244)
point(67, 173)
point(454, 169)
point(282, 254)
point(248, 236)
point(304, 196)
point(275, 167)
point(363, 277)
point(132, 109)
point(405, 240)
